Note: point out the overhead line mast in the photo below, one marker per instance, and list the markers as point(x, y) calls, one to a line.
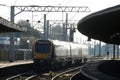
point(35, 8)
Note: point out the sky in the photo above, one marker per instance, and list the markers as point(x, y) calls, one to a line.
point(93, 5)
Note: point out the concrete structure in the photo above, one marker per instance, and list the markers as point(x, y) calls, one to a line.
point(102, 25)
point(7, 26)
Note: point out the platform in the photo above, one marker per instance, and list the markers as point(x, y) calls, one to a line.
point(8, 64)
point(91, 71)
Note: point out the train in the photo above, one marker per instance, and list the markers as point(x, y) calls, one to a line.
point(55, 53)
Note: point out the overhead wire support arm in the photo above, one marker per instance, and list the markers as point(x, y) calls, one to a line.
point(35, 8)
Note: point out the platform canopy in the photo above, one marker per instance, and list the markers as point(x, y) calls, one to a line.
point(7, 26)
point(103, 25)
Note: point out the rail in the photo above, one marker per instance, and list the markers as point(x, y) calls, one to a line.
point(67, 73)
point(23, 76)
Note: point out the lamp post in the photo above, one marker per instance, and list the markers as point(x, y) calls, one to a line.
point(17, 40)
point(18, 43)
point(28, 41)
point(27, 50)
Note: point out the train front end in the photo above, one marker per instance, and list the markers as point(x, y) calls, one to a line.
point(43, 53)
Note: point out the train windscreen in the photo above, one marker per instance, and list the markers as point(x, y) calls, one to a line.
point(42, 48)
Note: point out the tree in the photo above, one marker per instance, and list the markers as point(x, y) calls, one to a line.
point(30, 31)
point(24, 23)
point(57, 32)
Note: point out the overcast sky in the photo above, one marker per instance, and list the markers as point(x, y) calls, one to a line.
point(94, 5)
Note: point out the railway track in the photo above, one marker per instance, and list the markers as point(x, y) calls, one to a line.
point(23, 76)
point(65, 74)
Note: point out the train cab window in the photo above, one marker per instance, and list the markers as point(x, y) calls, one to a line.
point(43, 48)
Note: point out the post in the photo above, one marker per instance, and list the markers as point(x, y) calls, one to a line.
point(18, 43)
point(99, 48)
point(12, 14)
point(45, 27)
point(107, 55)
point(27, 50)
point(50, 30)
point(113, 51)
point(66, 27)
point(11, 50)
point(94, 48)
point(64, 32)
point(117, 51)
point(107, 50)
point(32, 18)
point(70, 53)
point(71, 34)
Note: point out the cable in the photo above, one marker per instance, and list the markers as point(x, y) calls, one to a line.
point(62, 2)
point(74, 16)
point(58, 4)
point(15, 2)
point(67, 2)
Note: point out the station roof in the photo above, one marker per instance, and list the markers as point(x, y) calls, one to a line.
point(103, 25)
point(7, 26)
